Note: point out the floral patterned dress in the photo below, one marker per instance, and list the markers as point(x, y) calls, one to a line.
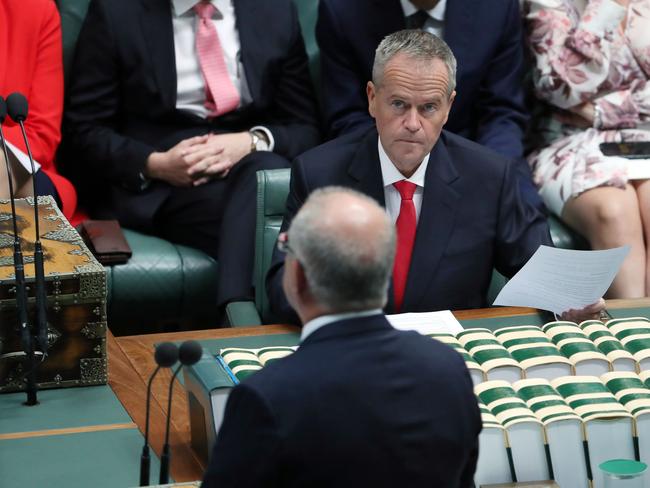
point(588, 51)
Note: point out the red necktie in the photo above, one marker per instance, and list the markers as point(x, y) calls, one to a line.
point(221, 94)
point(406, 225)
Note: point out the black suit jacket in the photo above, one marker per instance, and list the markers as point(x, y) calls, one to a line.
point(121, 102)
point(471, 221)
point(360, 404)
point(484, 35)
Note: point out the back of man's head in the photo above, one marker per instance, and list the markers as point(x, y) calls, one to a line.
point(345, 243)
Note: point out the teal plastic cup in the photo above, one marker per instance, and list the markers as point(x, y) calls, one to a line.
point(623, 473)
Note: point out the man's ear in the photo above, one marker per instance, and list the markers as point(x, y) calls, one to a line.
point(302, 286)
point(371, 92)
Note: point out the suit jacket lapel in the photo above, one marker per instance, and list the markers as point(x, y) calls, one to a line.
point(436, 221)
point(365, 170)
point(156, 22)
point(249, 26)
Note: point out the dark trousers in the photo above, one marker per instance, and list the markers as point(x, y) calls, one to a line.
point(219, 219)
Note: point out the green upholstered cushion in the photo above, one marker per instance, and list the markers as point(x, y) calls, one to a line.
point(162, 287)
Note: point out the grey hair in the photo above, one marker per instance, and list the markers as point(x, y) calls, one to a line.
point(344, 273)
point(417, 44)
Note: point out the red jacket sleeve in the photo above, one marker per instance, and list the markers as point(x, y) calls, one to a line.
point(43, 89)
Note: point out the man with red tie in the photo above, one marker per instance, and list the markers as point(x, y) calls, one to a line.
point(455, 204)
point(172, 106)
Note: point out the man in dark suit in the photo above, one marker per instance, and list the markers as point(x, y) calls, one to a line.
point(484, 35)
point(174, 104)
point(359, 403)
point(464, 215)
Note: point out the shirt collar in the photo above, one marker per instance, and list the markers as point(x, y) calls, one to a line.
point(437, 12)
point(182, 7)
point(390, 174)
point(313, 325)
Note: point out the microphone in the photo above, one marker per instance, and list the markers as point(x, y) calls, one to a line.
point(17, 109)
point(166, 356)
point(19, 271)
point(188, 354)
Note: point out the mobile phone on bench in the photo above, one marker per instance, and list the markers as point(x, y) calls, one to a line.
point(630, 150)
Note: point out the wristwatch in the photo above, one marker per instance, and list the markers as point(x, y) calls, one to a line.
point(258, 142)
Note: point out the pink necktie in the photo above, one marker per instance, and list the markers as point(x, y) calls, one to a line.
point(406, 225)
point(221, 96)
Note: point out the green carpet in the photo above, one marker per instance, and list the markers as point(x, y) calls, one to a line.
point(107, 459)
point(61, 408)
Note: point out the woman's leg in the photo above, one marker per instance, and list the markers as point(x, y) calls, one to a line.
point(643, 194)
point(610, 217)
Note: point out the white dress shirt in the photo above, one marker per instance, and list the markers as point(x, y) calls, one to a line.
point(390, 174)
point(190, 85)
point(319, 322)
point(436, 22)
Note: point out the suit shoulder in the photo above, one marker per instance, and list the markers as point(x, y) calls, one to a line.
point(465, 152)
point(342, 146)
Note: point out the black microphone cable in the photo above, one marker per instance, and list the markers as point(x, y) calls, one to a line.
point(17, 108)
point(19, 271)
point(166, 356)
point(188, 354)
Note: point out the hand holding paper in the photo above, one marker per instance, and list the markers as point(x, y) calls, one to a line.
point(563, 280)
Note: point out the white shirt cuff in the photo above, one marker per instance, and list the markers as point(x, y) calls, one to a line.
point(268, 135)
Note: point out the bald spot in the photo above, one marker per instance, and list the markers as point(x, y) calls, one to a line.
point(405, 74)
point(352, 219)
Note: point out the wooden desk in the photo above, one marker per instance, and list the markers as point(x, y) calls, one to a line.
point(131, 363)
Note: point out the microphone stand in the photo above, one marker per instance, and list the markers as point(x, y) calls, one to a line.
point(145, 460)
point(21, 295)
point(39, 270)
point(164, 457)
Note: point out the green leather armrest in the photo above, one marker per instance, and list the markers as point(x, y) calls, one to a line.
point(242, 314)
point(564, 237)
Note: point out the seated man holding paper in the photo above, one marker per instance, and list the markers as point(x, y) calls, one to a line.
point(455, 204)
point(359, 403)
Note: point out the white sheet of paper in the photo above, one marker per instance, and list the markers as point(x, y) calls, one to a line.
point(22, 158)
point(426, 322)
point(560, 279)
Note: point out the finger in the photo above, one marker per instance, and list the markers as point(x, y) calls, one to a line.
point(196, 153)
point(202, 167)
point(192, 141)
point(219, 167)
point(201, 181)
point(200, 159)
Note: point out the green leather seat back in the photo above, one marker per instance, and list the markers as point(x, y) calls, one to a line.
point(73, 13)
point(272, 191)
point(307, 16)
